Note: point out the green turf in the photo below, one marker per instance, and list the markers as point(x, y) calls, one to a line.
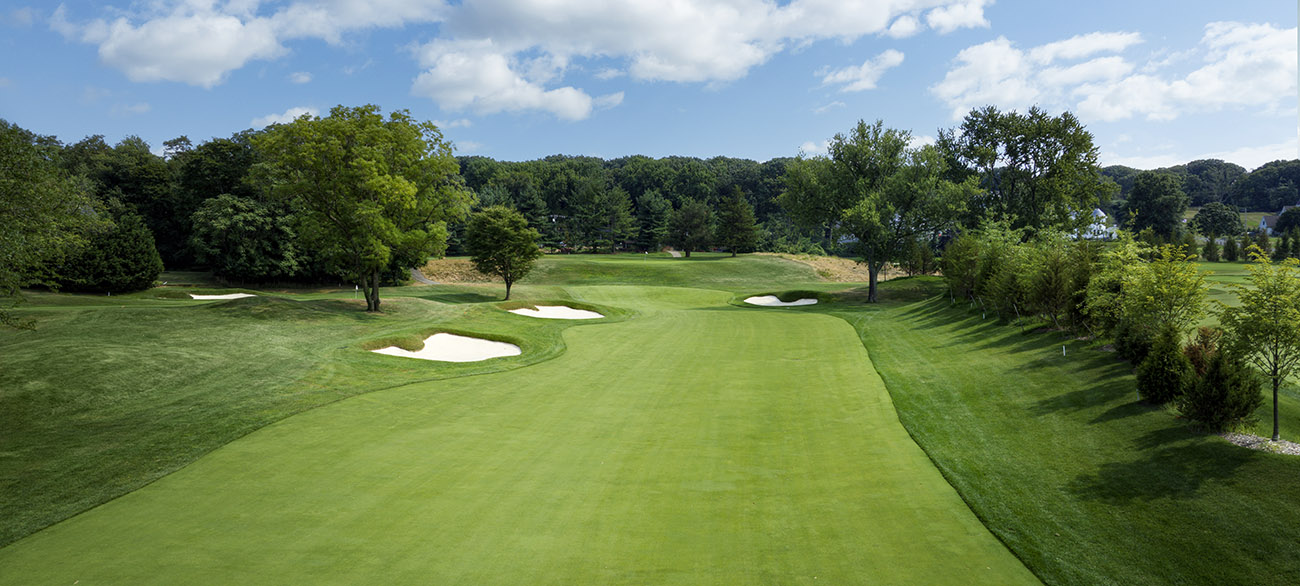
point(1083, 482)
point(695, 443)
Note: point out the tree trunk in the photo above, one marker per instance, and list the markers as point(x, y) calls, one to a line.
point(733, 253)
point(508, 284)
point(873, 270)
point(1275, 385)
point(372, 291)
point(688, 253)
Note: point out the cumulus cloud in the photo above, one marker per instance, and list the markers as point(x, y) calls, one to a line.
point(526, 46)
point(865, 76)
point(1245, 65)
point(814, 148)
point(288, 116)
point(968, 14)
point(300, 77)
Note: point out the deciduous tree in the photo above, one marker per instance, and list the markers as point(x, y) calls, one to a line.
point(1265, 326)
point(500, 243)
point(370, 193)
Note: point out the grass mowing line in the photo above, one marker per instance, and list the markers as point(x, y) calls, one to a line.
point(697, 446)
point(1085, 484)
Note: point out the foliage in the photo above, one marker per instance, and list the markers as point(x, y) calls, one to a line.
point(1167, 293)
point(1157, 202)
point(876, 193)
point(245, 240)
point(369, 194)
point(1288, 220)
point(1269, 187)
point(1265, 326)
point(119, 259)
point(918, 259)
point(652, 221)
point(1108, 290)
point(1262, 242)
point(500, 243)
point(44, 214)
point(1165, 373)
point(691, 227)
point(1231, 252)
point(736, 230)
point(1210, 251)
point(1202, 347)
point(1283, 249)
point(1217, 219)
point(1226, 394)
point(960, 265)
point(1038, 170)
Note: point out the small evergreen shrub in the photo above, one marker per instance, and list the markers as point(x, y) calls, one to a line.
point(1226, 395)
point(1132, 341)
point(1203, 348)
point(1165, 373)
point(1231, 252)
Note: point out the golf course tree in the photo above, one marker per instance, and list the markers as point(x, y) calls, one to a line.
point(654, 212)
point(245, 240)
point(736, 230)
point(875, 193)
point(1217, 219)
point(1157, 202)
point(691, 227)
point(1287, 221)
point(1265, 326)
point(370, 194)
point(500, 243)
point(44, 213)
point(1036, 169)
point(118, 258)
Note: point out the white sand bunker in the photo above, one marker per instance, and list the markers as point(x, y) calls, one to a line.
point(453, 348)
point(557, 312)
point(773, 301)
point(226, 296)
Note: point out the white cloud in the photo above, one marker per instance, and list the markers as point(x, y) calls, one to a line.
point(533, 43)
point(1080, 46)
point(300, 77)
point(1250, 157)
point(608, 101)
point(461, 123)
point(474, 75)
point(288, 116)
point(904, 26)
point(828, 107)
point(917, 142)
point(469, 146)
point(865, 76)
point(814, 148)
point(967, 14)
point(1246, 65)
point(130, 109)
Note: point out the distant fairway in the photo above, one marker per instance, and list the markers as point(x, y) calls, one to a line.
point(695, 443)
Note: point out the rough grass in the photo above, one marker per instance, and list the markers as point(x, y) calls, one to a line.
point(1084, 483)
point(837, 268)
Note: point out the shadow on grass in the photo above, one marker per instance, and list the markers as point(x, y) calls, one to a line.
point(1177, 472)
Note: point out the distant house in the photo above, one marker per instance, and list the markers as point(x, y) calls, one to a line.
point(1267, 223)
point(1099, 228)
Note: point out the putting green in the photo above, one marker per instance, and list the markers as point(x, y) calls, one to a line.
point(684, 446)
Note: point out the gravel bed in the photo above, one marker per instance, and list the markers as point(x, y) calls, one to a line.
point(1255, 442)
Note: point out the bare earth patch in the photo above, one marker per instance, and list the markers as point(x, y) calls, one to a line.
point(455, 270)
point(838, 269)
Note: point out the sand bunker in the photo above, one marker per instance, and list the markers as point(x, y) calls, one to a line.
point(772, 301)
point(557, 312)
point(226, 296)
point(453, 348)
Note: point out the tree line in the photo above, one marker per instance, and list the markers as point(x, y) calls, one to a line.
point(1205, 181)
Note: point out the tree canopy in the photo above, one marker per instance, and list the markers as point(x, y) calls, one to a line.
point(500, 243)
point(872, 189)
point(1265, 326)
point(374, 193)
point(1157, 202)
point(1217, 219)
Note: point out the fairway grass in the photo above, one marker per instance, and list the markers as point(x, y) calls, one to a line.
point(696, 443)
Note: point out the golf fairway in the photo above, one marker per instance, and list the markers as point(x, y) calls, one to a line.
point(695, 443)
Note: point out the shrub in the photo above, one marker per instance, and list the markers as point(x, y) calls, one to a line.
point(1165, 373)
point(1132, 341)
point(1211, 250)
point(1230, 250)
point(1203, 348)
point(1227, 394)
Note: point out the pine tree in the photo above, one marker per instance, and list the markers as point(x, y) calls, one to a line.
point(1283, 249)
point(1211, 250)
point(737, 230)
point(1166, 372)
point(1230, 250)
point(1261, 240)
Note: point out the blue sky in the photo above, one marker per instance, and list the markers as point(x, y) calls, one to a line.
point(1158, 82)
